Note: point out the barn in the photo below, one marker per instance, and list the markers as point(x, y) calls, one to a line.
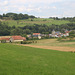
point(17, 38)
point(12, 38)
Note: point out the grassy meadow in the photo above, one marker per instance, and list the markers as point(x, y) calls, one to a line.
point(22, 60)
point(39, 21)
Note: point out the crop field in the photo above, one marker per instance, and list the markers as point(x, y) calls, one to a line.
point(23, 60)
point(39, 21)
point(54, 45)
point(54, 42)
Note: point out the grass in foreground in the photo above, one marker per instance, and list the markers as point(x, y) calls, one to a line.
point(19, 60)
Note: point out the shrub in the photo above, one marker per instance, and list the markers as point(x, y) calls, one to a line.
point(23, 42)
point(59, 39)
point(26, 42)
point(3, 41)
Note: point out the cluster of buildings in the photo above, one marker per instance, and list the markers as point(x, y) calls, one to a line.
point(12, 38)
point(34, 35)
point(53, 34)
point(59, 34)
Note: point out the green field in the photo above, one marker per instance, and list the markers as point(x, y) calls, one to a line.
point(20, 60)
point(39, 21)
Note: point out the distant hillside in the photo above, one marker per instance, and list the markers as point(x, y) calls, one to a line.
point(14, 19)
point(38, 21)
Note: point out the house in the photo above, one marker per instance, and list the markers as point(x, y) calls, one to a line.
point(58, 33)
point(44, 35)
point(67, 33)
point(55, 34)
point(17, 38)
point(29, 36)
point(36, 35)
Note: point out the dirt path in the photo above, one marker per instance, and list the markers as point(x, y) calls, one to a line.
point(52, 47)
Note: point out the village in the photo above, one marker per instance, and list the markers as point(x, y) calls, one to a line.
point(18, 38)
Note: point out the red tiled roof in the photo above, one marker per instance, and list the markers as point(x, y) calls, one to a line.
point(24, 38)
point(18, 38)
point(4, 38)
point(36, 33)
point(67, 31)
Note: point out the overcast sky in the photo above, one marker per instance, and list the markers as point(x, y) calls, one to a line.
point(39, 8)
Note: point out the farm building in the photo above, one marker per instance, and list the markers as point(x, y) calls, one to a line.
point(17, 38)
point(12, 38)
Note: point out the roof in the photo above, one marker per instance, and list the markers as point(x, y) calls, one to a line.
point(67, 32)
point(4, 38)
point(18, 38)
point(36, 33)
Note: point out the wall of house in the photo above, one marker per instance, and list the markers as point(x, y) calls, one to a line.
point(39, 37)
point(17, 40)
point(12, 40)
point(7, 41)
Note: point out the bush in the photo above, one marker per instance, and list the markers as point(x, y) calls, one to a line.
point(64, 37)
point(26, 42)
point(3, 41)
point(23, 42)
point(59, 39)
point(71, 37)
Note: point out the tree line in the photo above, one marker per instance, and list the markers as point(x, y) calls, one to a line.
point(15, 16)
point(71, 19)
point(29, 29)
point(20, 16)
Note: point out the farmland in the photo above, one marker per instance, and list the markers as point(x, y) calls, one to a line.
point(20, 60)
point(54, 42)
point(39, 21)
point(54, 45)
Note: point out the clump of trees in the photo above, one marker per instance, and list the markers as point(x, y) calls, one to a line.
point(28, 42)
point(71, 19)
point(72, 35)
point(15, 16)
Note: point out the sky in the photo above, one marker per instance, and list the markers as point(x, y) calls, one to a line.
point(39, 8)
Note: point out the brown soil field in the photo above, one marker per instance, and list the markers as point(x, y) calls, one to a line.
point(67, 49)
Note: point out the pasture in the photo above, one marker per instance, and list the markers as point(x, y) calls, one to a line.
point(39, 21)
point(22, 60)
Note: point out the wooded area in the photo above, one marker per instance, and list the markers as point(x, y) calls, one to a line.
point(29, 29)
